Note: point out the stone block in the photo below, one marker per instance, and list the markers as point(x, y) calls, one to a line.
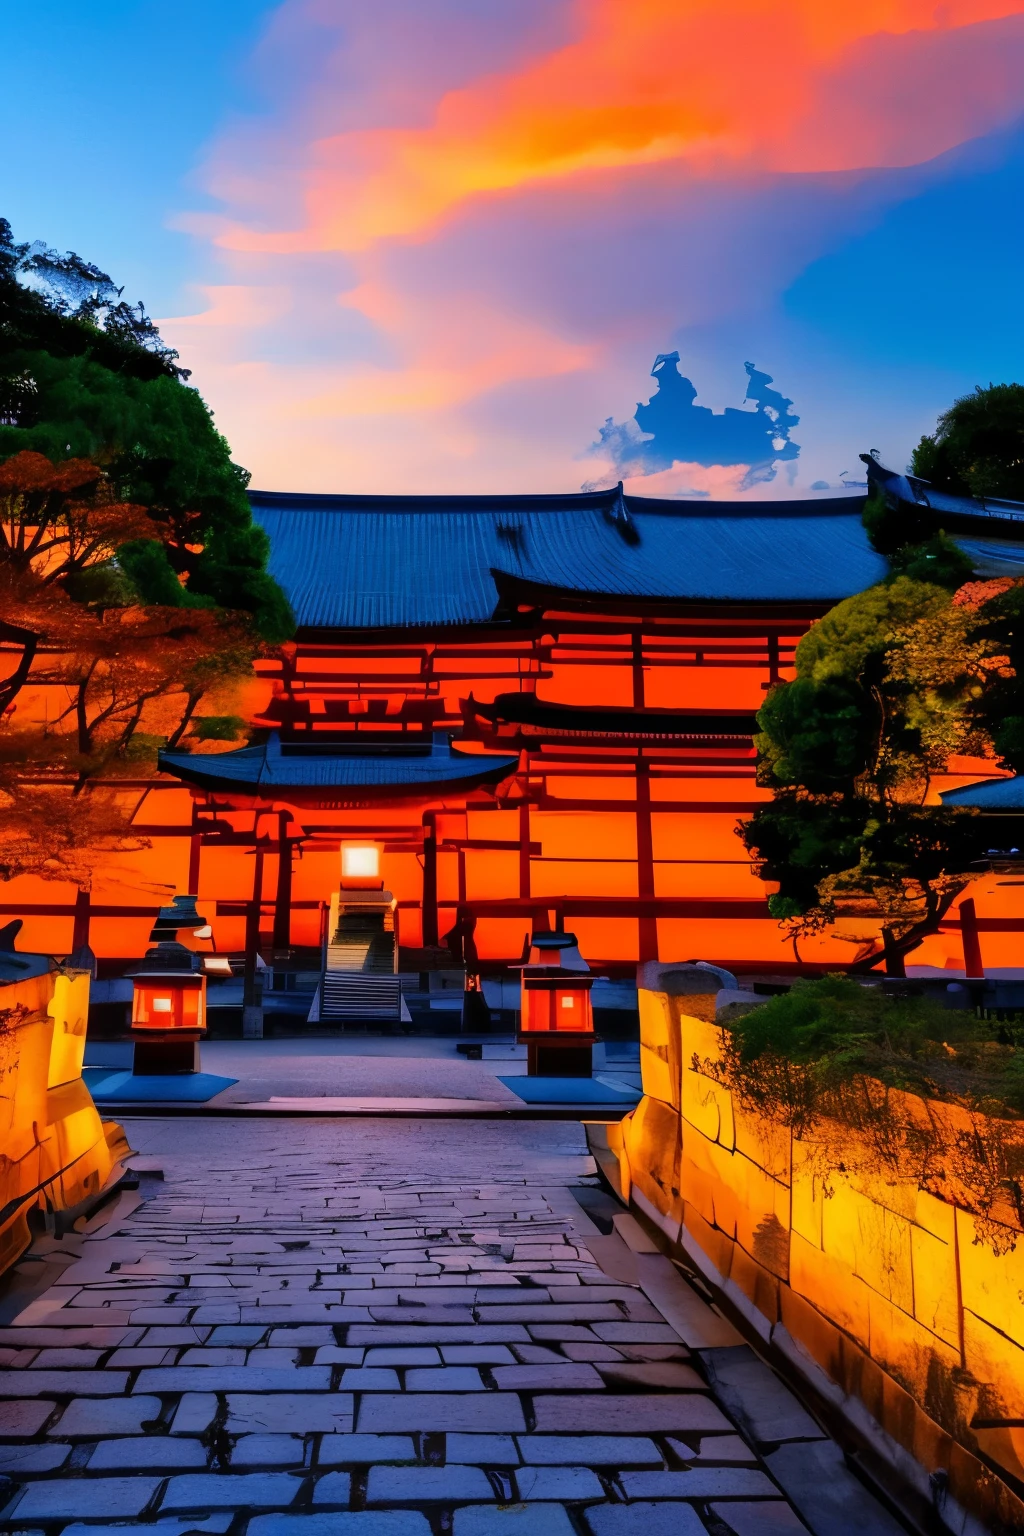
point(761, 1404)
point(636, 1333)
point(333, 1490)
point(644, 1519)
point(427, 1485)
point(335, 1354)
point(451, 1378)
point(369, 1379)
point(765, 1518)
point(302, 1337)
point(194, 1414)
point(20, 1420)
point(30, 1383)
point(26, 1460)
point(655, 1373)
point(699, 1483)
point(992, 1284)
point(233, 1378)
point(513, 1520)
point(595, 1450)
point(829, 1284)
point(280, 1413)
point(567, 1377)
point(360, 1450)
point(409, 1354)
point(87, 1418)
point(421, 1333)
point(483, 1450)
point(84, 1498)
point(435, 1412)
point(826, 1493)
point(268, 1451)
point(554, 1312)
point(390, 1522)
point(150, 1453)
point(566, 1483)
point(633, 1413)
point(231, 1490)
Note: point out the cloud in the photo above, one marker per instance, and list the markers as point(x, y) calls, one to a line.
point(458, 234)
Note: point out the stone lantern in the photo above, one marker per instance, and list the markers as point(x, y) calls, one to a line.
point(556, 1018)
point(169, 1001)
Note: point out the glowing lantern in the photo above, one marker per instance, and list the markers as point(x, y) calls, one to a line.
point(360, 866)
point(556, 1019)
point(169, 1001)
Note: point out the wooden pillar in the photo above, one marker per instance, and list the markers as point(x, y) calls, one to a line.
point(80, 932)
point(429, 904)
point(252, 929)
point(195, 844)
point(645, 860)
point(282, 938)
point(971, 940)
point(524, 850)
point(638, 669)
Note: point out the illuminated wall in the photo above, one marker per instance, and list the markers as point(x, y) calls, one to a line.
point(57, 1152)
point(895, 1302)
point(627, 836)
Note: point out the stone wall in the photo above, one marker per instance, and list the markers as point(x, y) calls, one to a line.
point(55, 1151)
point(899, 1305)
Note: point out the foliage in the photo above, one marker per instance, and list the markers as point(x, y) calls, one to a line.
point(128, 675)
point(977, 448)
point(999, 709)
point(84, 374)
point(860, 1075)
point(887, 688)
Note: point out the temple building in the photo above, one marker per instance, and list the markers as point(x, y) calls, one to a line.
point(515, 713)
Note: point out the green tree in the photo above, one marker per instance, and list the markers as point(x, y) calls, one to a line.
point(887, 687)
point(977, 448)
point(85, 375)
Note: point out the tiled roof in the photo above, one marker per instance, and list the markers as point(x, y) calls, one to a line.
point(383, 561)
point(270, 767)
point(990, 531)
point(991, 795)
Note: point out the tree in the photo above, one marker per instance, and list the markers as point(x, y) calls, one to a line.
point(887, 688)
point(128, 675)
point(82, 373)
point(977, 448)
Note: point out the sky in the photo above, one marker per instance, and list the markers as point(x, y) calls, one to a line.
point(439, 245)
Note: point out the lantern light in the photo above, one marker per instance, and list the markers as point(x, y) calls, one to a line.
point(360, 866)
point(556, 1020)
point(169, 996)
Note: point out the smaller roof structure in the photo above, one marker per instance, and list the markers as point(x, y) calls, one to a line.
point(989, 529)
point(276, 768)
point(998, 795)
point(523, 714)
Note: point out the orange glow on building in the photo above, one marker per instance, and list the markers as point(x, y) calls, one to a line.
point(557, 759)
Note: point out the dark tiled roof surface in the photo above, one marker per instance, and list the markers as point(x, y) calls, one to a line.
point(266, 768)
point(382, 561)
point(990, 532)
point(991, 795)
point(527, 709)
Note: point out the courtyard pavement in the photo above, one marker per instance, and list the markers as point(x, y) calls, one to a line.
point(392, 1328)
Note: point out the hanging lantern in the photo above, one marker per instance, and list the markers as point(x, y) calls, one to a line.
point(556, 1018)
point(169, 996)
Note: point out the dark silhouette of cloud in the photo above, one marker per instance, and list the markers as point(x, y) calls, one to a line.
point(670, 429)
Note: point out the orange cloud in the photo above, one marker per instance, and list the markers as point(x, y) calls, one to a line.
point(644, 81)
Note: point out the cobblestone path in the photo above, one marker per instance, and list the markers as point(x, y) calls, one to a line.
point(320, 1331)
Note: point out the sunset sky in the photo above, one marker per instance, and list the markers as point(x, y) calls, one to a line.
point(436, 244)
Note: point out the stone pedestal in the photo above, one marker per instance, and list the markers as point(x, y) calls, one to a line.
point(252, 1021)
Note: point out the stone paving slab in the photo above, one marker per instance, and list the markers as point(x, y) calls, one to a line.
point(313, 1330)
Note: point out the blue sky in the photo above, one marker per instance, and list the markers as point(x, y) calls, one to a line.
point(435, 244)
